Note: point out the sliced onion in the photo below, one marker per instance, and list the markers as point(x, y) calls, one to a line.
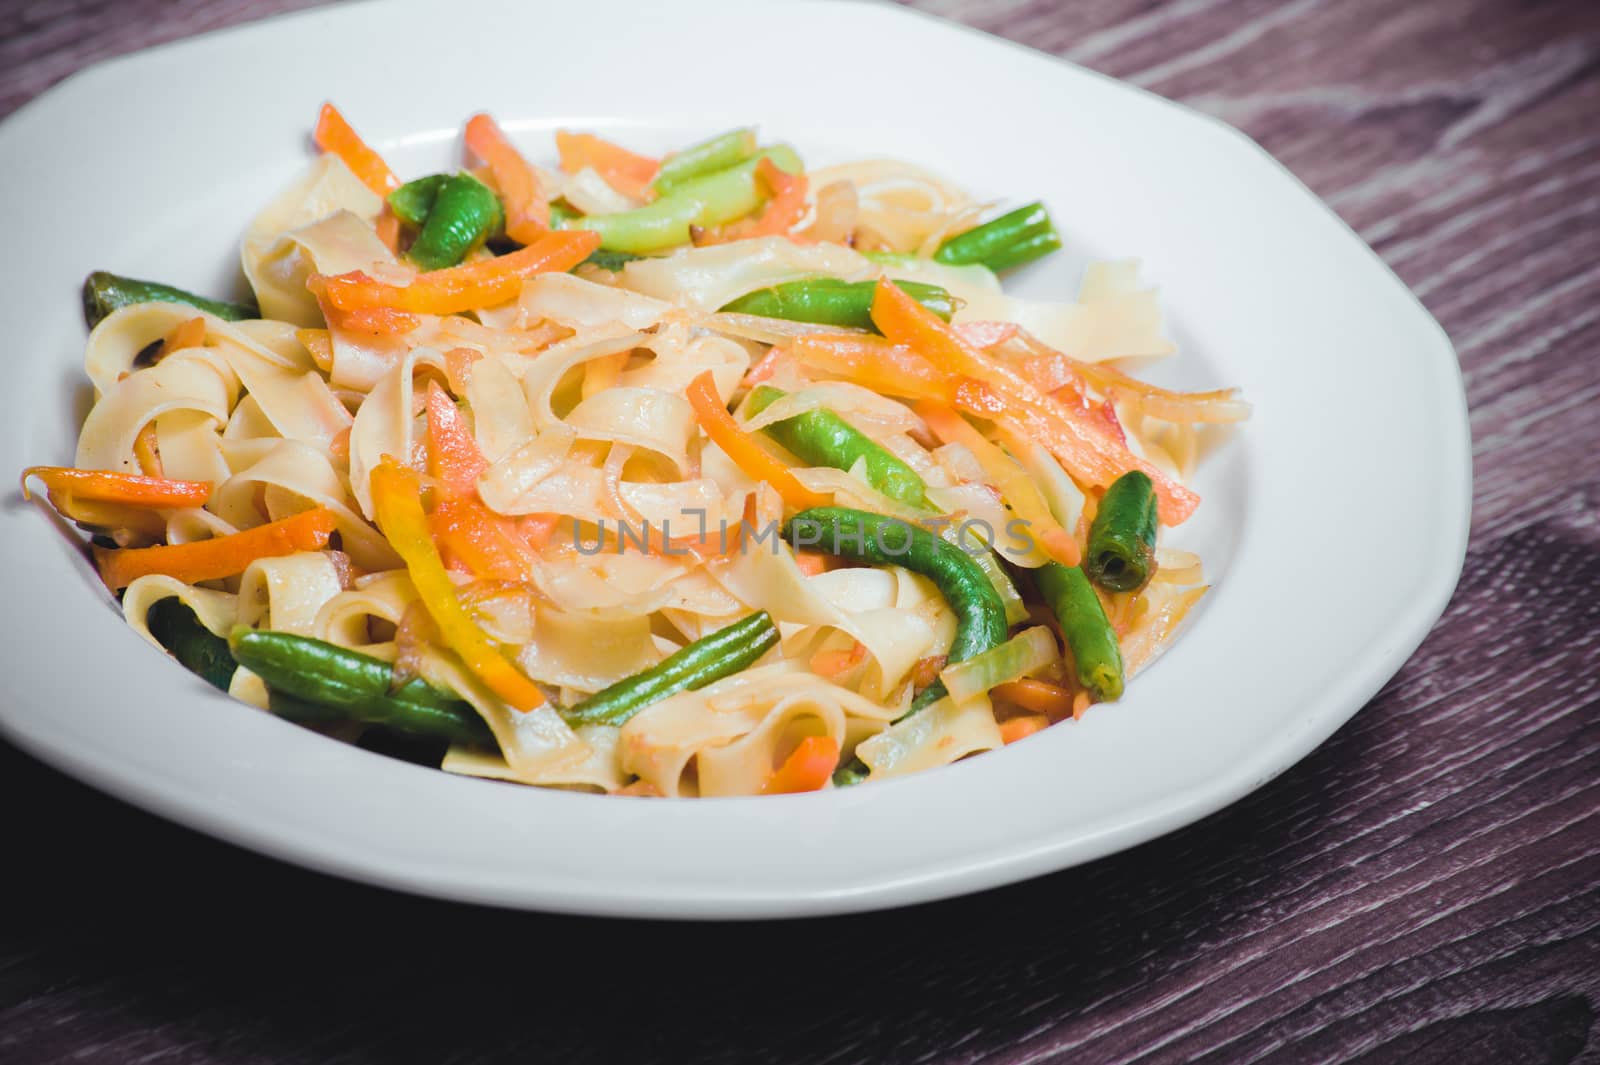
point(1164, 608)
point(1027, 652)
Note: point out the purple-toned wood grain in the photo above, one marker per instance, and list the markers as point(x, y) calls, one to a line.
point(1424, 888)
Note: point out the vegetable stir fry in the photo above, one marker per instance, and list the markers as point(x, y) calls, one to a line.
point(716, 473)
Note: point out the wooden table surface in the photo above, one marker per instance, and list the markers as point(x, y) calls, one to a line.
point(1424, 888)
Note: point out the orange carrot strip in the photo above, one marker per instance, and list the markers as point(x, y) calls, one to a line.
point(127, 488)
point(1016, 488)
point(625, 171)
point(222, 556)
point(190, 333)
point(319, 343)
point(833, 663)
point(388, 229)
point(1039, 696)
point(995, 390)
point(1016, 728)
point(874, 363)
point(742, 447)
point(148, 451)
point(811, 563)
point(807, 769)
point(782, 211)
point(469, 286)
point(527, 207)
point(482, 542)
point(397, 500)
point(453, 455)
point(333, 134)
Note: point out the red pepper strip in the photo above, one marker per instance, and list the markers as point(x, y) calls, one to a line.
point(527, 209)
point(1082, 445)
point(453, 456)
point(807, 769)
point(333, 134)
point(397, 501)
point(467, 287)
point(221, 556)
point(128, 488)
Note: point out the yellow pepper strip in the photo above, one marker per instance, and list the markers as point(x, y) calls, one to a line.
point(1015, 487)
point(397, 501)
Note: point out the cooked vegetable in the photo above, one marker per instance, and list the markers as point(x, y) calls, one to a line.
point(462, 216)
point(697, 160)
point(527, 210)
point(1027, 652)
point(326, 683)
point(1088, 634)
point(397, 501)
point(469, 286)
point(628, 172)
point(176, 627)
point(221, 556)
point(606, 259)
point(831, 301)
point(742, 448)
point(1017, 237)
point(104, 292)
point(1122, 539)
point(723, 653)
point(961, 374)
point(333, 134)
point(105, 486)
point(823, 438)
point(708, 200)
point(806, 769)
point(412, 201)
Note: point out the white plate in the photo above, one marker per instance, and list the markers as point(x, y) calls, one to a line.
point(1334, 525)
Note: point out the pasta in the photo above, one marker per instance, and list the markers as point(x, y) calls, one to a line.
point(684, 477)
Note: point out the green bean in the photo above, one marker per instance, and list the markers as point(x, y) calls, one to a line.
point(832, 301)
point(718, 153)
point(315, 682)
point(412, 201)
point(721, 654)
point(1122, 538)
point(1096, 656)
point(177, 628)
point(710, 200)
point(823, 438)
point(860, 536)
point(1010, 240)
point(463, 215)
point(105, 292)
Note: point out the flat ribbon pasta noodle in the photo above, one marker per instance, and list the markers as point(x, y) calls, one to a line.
point(386, 423)
point(680, 357)
point(586, 652)
point(648, 418)
point(116, 343)
point(215, 610)
point(600, 771)
point(537, 745)
point(501, 421)
point(704, 279)
point(938, 735)
point(578, 304)
point(346, 618)
point(188, 381)
point(765, 703)
point(768, 579)
point(286, 594)
point(297, 403)
point(274, 263)
point(609, 584)
point(295, 474)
